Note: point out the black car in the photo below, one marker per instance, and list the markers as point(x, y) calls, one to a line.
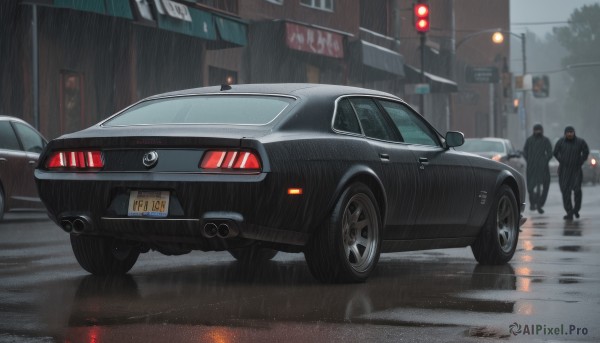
point(341, 174)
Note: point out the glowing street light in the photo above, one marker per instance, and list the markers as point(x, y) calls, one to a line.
point(498, 37)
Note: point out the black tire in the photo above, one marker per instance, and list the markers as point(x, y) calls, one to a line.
point(103, 256)
point(346, 247)
point(498, 238)
point(253, 253)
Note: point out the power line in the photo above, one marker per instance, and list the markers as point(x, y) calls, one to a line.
point(540, 23)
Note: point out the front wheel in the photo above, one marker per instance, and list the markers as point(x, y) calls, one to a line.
point(346, 248)
point(103, 256)
point(498, 238)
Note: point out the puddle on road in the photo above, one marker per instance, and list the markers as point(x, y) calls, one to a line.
point(569, 278)
point(571, 248)
point(486, 332)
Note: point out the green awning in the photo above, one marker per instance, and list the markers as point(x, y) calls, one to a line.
point(201, 26)
point(119, 8)
point(115, 8)
point(232, 31)
point(95, 6)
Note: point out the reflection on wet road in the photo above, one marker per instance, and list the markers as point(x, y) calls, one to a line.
point(550, 291)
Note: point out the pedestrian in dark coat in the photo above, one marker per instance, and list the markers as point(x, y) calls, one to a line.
point(571, 153)
point(537, 153)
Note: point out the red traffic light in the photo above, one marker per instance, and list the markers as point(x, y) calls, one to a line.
point(421, 17)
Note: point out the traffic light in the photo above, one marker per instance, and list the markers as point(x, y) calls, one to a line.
point(540, 86)
point(421, 11)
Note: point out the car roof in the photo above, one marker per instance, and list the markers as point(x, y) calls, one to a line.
point(291, 89)
point(4, 118)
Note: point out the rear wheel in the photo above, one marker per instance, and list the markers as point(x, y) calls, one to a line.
point(253, 253)
point(103, 256)
point(498, 238)
point(346, 248)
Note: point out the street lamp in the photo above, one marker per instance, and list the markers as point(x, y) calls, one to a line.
point(498, 38)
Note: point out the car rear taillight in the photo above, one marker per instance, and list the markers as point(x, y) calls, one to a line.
point(593, 162)
point(225, 160)
point(78, 159)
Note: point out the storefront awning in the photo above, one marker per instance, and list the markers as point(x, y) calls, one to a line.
point(437, 83)
point(382, 63)
point(115, 8)
point(201, 25)
point(232, 31)
point(170, 15)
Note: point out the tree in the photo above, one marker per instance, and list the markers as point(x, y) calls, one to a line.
point(581, 38)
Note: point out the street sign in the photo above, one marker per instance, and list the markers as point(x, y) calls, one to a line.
point(482, 75)
point(422, 88)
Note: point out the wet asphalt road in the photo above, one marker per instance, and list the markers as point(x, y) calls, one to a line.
point(549, 292)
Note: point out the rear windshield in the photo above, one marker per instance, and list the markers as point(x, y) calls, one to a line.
point(204, 109)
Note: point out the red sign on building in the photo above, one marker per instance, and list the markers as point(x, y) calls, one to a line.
point(313, 40)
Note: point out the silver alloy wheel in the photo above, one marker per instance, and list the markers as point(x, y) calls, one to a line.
point(506, 224)
point(360, 232)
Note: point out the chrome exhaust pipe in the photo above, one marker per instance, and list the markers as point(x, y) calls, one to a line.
point(228, 231)
point(223, 231)
point(210, 230)
point(66, 225)
point(79, 225)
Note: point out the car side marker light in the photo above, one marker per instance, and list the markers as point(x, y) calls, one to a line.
point(294, 191)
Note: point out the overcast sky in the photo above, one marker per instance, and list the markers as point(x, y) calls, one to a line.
point(525, 14)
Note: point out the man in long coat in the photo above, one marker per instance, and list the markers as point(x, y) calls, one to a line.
point(571, 153)
point(538, 152)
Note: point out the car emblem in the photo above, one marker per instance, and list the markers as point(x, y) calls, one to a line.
point(150, 159)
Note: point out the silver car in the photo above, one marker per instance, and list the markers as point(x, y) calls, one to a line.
point(20, 147)
point(497, 149)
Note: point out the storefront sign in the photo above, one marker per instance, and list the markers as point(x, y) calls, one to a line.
point(177, 11)
point(314, 41)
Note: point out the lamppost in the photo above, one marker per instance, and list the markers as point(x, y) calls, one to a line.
point(498, 38)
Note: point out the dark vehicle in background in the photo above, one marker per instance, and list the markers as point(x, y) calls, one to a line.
point(497, 149)
point(20, 147)
point(341, 174)
point(591, 171)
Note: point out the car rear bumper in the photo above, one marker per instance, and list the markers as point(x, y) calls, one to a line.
point(239, 207)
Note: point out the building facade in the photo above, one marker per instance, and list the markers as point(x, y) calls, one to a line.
point(95, 57)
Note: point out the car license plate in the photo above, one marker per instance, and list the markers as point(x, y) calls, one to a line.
point(154, 204)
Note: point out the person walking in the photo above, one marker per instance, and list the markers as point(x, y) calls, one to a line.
point(538, 152)
point(571, 152)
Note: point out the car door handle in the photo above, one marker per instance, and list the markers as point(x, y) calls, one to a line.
point(32, 163)
point(384, 157)
point(2, 159)
point(423, 161)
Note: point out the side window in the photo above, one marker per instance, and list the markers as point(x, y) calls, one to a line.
point(8, 139)
point(345, 119)
point(411, 126)
point(372, 120)
point(30, 139)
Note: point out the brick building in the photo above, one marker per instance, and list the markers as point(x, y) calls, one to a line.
point(98, 56)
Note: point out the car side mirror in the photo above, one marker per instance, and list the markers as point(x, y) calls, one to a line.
point(454, 139)
point(515, 154)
